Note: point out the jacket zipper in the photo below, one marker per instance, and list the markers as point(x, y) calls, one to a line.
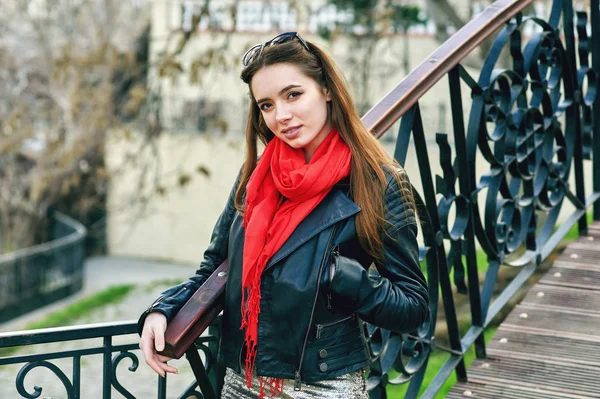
point(298, 378)
point(157, 301)
point(320, 327)
point(160, 298)
point(180, 291)
point(242, 369)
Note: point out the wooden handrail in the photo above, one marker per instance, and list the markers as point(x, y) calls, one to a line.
point(406, 94)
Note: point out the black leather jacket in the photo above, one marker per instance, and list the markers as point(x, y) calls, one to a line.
point(315, 290)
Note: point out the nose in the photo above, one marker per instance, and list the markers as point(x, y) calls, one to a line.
point(283, 114)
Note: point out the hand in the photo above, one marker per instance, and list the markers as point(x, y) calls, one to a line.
point(153, 341)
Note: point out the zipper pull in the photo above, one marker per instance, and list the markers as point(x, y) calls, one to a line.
point(329, 300)
point(336, 250)
point(297, 383)
point(319, 328)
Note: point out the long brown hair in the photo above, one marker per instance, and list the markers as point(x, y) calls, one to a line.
point(369, 159)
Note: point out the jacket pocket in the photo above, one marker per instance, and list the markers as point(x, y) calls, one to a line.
point(346, 359)
point(332, 356)
point(336, 350)
point(336, 328)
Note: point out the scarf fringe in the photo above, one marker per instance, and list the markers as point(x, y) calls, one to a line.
point(275, 386)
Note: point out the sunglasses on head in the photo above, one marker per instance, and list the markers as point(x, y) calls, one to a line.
point(255, 51)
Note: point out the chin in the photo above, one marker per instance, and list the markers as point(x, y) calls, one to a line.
point(295, 144)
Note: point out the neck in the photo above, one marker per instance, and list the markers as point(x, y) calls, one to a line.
point(310, 149)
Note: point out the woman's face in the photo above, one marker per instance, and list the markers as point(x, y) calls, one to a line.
point(293, 106)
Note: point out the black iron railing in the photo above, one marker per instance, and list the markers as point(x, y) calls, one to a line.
point(505, 176)
point(102, 343)
point(33, 277)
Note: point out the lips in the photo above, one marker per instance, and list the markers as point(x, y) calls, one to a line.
point(290, 130)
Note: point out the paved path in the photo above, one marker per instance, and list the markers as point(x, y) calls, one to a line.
point(101, 272)
point(549, 345)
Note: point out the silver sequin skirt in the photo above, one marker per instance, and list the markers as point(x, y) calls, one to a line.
point(347, 386)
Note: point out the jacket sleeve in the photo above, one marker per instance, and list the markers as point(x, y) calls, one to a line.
point(170, 301)
point(398, 299)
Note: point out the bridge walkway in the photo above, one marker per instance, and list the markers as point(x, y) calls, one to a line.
point(549, 345)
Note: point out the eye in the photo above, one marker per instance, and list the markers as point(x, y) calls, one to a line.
point(294, 94)
point(264, 106)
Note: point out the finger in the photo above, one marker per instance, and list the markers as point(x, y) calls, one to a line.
point(165, 367)
point(159, 338)
point(153, 364)
point(168, 368)
point(163, 359)
point(146, 346)
point(150, 356)
point(156, 366)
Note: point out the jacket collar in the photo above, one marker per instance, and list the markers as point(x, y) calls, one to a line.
point(334, 207)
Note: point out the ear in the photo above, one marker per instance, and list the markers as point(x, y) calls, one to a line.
point(327, 94)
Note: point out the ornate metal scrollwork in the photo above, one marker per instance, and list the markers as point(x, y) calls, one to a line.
point(460, 203)
point(210, 358)
point(390, 353)
point(530, 123)
point(115, 364)
point(528, 152)
point(20, 382)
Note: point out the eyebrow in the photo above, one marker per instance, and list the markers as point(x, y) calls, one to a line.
point(286, 88)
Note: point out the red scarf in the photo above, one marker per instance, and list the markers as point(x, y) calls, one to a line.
point(282, 173)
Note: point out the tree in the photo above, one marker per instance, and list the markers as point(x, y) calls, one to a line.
point(73, 74)
point(403, 17)
point(70, 73)
point(371, 22)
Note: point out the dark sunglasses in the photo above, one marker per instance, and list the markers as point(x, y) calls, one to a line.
point(256, 50)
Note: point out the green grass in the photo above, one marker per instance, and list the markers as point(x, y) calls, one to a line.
point(573, 233)
point(72, 313)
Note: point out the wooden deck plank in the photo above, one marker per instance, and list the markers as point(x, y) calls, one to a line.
point(549, 345)
point(564, 379)
point(575, 276)
point(563, 297)
point(523, 344)
point(500, 391)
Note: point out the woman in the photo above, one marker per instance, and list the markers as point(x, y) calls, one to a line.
point(300, 229)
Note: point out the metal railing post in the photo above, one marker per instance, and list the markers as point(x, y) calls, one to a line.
point(107, 368)
point(595, 20)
